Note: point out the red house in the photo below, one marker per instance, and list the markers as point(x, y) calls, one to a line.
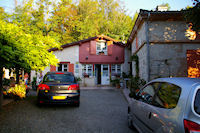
point(101, 57)
point(95, 60)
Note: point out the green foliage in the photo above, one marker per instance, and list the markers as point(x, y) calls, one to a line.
point(191, 15)
point(136, 83)
point(78, 79)
point(67, 21)
point(115, 81)
point(22, 50)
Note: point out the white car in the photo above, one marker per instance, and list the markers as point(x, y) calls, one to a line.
point(166, 105)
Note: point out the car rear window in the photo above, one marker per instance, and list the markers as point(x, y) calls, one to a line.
point(59, 78)
point(197, 102)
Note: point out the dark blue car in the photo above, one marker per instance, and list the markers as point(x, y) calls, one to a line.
point(58, 88)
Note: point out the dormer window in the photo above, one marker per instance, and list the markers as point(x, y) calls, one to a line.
point(101, 47)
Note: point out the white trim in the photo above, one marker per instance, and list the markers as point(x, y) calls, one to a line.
point(115, 71)
point(62, 64)
point(101, 42)
point(86, 67)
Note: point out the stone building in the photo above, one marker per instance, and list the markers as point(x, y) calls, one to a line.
point(158, 39)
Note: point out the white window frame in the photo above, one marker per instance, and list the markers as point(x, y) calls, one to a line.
point(115, 71)
point(101, 43)
point(63, 67)
point(86, 68)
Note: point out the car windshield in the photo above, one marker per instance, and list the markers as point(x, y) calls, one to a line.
point(59, 78)
point(197, 102)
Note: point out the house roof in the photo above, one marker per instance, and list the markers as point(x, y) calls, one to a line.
point(86, 40)
point(145, 15)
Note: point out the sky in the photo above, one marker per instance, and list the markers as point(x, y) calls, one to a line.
point(136, 5)
point(131, 5)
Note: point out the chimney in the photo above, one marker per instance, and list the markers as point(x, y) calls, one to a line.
point(162, 8)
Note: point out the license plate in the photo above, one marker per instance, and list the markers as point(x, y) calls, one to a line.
point(59, 97)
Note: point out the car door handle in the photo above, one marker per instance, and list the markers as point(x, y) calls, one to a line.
point(149, 115)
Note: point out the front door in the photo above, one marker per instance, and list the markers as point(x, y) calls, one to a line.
point(105, 80)
point(98, 73)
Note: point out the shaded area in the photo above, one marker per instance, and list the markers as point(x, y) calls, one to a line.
point(193, 63)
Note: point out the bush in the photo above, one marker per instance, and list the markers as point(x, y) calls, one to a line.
point(115, 81)
point(78, 79)
point(19, 91)
point(136, 83)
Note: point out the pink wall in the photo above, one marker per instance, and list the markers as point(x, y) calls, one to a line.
point(117, 52)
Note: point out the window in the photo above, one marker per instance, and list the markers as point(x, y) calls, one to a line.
point(59, 78)
point(116, 70)
point(87, 70)
point(62, 67)
point(167, 96)
point(148, 92)
point(197, 102)
point(105, 70)
point(101, 46)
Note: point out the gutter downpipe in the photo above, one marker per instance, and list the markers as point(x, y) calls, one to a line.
point(148, 47)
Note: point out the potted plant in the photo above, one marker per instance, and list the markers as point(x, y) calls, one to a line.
point(101, 53)
point(115, 82)
point(85, 75)
point(78, 79)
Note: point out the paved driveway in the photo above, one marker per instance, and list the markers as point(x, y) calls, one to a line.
point(100, 111)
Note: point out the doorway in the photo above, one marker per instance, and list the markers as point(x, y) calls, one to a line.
point(98, 73)
point(102, 74)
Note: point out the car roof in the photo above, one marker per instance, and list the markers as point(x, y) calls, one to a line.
point(59, 72)
point(183, 82)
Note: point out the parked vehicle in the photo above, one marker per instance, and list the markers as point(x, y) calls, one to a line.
point(58, 88)
point(166, 105)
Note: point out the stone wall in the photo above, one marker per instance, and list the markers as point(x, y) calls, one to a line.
point(142, 56)
point(169, 60)
point(167, 31)
point(126, 65)
point(141, 38)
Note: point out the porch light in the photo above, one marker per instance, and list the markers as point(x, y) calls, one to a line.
point(116, 58)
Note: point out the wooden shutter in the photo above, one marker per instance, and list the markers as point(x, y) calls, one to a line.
point(71, 68)
point(110, 47)
point(52, 68)
point(92, 47)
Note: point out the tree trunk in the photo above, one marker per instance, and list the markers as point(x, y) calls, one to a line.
point(17, 75)
point(1, 87)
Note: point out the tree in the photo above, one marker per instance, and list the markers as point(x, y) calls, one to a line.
point(68, 21)
point(191, 15)
point(22, 50)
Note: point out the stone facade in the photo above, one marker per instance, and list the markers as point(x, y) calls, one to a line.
point(126, 65)
point(167, 31)
point(168, 45)
point(169, 60)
